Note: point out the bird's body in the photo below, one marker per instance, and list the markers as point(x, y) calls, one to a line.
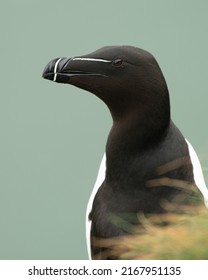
point(147, 160)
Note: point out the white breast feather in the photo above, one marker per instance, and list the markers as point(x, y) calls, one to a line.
point(198, 174)
point(99, 181)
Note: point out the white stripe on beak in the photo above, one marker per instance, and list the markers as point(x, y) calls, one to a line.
point(90, 59)
point(55, 68)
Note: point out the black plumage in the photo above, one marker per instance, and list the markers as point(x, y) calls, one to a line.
point(144, 150)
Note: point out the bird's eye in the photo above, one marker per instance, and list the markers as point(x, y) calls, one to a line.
point(118, 62)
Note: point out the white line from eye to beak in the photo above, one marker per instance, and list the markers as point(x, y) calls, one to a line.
point(90, 59)
point(55, 68)
point(77, 58)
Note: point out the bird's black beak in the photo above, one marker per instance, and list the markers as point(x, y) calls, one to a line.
point(55, 70)
point(61, 70)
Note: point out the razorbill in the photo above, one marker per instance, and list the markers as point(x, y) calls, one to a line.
point(147, 160)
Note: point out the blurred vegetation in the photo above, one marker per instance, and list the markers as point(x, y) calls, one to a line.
point(180, 233)
point(171, 236)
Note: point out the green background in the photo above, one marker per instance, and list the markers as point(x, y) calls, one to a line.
point(53, 136)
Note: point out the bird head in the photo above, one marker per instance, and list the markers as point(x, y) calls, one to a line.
point(124, 77)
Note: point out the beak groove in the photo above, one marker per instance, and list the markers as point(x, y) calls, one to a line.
point(58, 70)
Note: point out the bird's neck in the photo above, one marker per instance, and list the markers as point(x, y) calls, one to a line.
point(139, 128)
point(128, 140)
